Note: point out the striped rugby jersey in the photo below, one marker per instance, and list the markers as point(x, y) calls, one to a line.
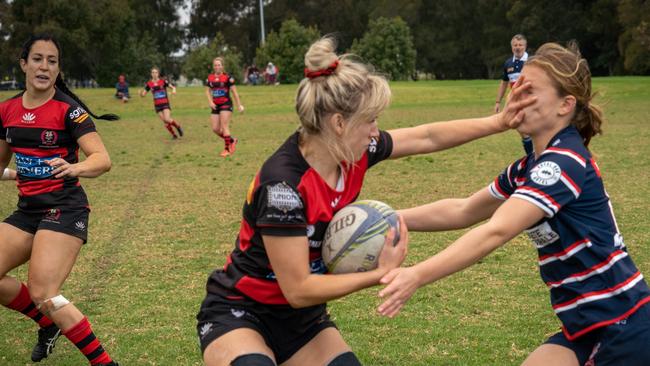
point(40, 134)
point(582, 256)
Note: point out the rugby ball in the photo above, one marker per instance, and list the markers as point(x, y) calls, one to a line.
point(356, 235)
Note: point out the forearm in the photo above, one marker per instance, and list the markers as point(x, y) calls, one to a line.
point(95, 165)
point(469, 249)
point(444, 135)
point(446, 214)
point(319, 289)
point(502, 90)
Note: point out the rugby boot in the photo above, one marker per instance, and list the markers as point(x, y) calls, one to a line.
point(225, 153)
point(180, 130)
point(233, 145)
point(112, 363)
point(46, 340)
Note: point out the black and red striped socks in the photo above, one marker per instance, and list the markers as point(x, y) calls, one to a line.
point(23, 303)
point(83, 337)
point(168, 126)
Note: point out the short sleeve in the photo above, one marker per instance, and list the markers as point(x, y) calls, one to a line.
point(505, 184)
point(280, 210)
point(504, 77)
point(78, 122)
point(380, 148)
point(555, 180)
point(146, 87)
point(231, 81)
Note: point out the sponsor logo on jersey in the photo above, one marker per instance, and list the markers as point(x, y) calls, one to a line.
point(335, 201)
point(34, 166)
point(282, 197)
point(78, 115)
point(160, 94)
point(546, 173)
point(372, 148)
point(28, 118)
point(542, 235)
point(217, 93)
point(49, 138)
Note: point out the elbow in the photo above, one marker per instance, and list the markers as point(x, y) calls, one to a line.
point(108, 165)
point(296, 300)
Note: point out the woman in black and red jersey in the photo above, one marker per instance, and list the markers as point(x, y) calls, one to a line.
point(44, 127)
point(217, 88)
point(158, 89)
point(268, 304)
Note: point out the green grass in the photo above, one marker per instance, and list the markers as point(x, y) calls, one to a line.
point(168, 213)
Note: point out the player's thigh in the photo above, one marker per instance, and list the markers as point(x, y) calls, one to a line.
point(161, 115)
point(225, 118)
point(167, 114)
point(320, 350)
point(215, 121)
point(229, 346)
point(551, 354)
point(15, 247)
point(52, 259)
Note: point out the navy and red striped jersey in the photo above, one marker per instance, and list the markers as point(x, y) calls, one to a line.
point(512, 68)
point(158, 90)
point(288, 198)
point(582, 257)
point(40, 134)
point(220, 87)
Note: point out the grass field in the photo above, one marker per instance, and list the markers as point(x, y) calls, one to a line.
point(168, 212)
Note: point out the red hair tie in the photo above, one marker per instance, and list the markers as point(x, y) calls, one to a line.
point(322, 72)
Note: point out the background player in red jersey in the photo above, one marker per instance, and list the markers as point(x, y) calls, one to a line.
point(44, 127)
point(557, 196)
point(268, 304)
point(158, 88)
point(218, 88)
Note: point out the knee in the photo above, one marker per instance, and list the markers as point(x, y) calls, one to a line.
point(253, 359)
point(345, 359)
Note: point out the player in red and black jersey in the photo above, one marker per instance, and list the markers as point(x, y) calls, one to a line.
point(158, 88)
point(44, 127)
point(217, 88)
point(268, 303)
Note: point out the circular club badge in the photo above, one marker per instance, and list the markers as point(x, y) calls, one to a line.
point(546, 173)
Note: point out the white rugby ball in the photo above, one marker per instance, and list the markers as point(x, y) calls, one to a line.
point(356, 235)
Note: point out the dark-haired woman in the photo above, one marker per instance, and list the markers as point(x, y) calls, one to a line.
point(44, 127)
point(556, 195)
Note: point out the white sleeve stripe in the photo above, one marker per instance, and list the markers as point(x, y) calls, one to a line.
point(570, 154)
point(495, 193)
point(548, 211)
point(548, 200)
point(570, 186)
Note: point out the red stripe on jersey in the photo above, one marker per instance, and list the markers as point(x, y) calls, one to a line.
point(41, 153)
point(570, 153)
point(605, 323)
point(571, 182)
point(589, 270)
point(541, 193)
point(498, 188)
point(595, 166)
point(263, 291)
point(600, 292)
point(565, 251)
point(245, 234)
point(36, 187)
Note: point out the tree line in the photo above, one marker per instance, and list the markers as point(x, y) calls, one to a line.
point(444, 39)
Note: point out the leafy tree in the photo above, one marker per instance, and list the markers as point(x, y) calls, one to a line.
point(198, 62)
point(634, 42)
point(388, 45)
point(287, 48)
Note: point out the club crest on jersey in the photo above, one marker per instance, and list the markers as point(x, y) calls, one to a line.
point(49, 137)
point(546, 173)
point(78, 115)
point(28, 118)
point(282, 197)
